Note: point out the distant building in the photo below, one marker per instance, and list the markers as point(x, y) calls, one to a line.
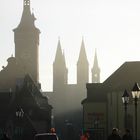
point(66, 98)
point(103, 108)
point(63, 93)
point(24, 109)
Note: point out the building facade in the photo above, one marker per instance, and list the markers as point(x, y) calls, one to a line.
point(24, 109)
point(103, 108)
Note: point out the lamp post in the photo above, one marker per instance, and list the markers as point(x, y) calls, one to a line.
point(135, 96)
point(125, 100)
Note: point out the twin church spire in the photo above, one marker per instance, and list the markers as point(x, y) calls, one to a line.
point(59, 66)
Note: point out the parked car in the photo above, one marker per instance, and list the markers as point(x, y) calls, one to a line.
point(46, 136)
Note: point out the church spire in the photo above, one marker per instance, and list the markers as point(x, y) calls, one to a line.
point(59, 54)
point(82, 66)
point(59, 68)
point(95, 70)
point(82, 55)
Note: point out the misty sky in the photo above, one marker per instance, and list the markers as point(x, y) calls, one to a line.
point(110, 26)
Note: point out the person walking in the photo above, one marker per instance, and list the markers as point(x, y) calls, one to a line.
point(127, 135)
point(114, 135)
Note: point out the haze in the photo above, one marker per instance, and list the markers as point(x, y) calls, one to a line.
point(110, 26)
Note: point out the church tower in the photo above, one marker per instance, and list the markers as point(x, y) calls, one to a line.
point(59, 81)
point(60, 72)
point(95, 70)
point(26, 38)
point(82, 67)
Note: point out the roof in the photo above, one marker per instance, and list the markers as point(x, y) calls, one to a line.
point(123, 78)
point(95, 92)
point(32, 95)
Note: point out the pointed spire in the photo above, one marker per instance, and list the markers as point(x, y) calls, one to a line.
point(64, 58)
point(60, 72)
point(59, 54)
point(95, 59)
point(82, 55)
point(95, 70)
point(82, 66)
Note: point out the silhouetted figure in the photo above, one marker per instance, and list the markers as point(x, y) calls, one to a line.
point(5, 137)
point(114, 135)
point(127, 135)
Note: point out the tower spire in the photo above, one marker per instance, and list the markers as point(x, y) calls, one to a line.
point(82, 55)
point(95, 59)
point(82, 66)
point(95, 70)
point(59, 54)
point(59, 68)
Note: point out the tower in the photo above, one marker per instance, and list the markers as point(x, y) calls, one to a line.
point(60, 72)
point(59, 81)
point(26, 39)
point(82, 67)
point(95, 70)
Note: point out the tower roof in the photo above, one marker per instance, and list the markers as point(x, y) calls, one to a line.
point(28, 18)
point(95, 64)
point(82, 55)
point(59, 57)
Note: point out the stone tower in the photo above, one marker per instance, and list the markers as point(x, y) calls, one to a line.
point(26, 38)
point(59, 81)
point(95, 70)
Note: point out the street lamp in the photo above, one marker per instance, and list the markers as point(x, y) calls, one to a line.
point(125, 100)
point(135, 96)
